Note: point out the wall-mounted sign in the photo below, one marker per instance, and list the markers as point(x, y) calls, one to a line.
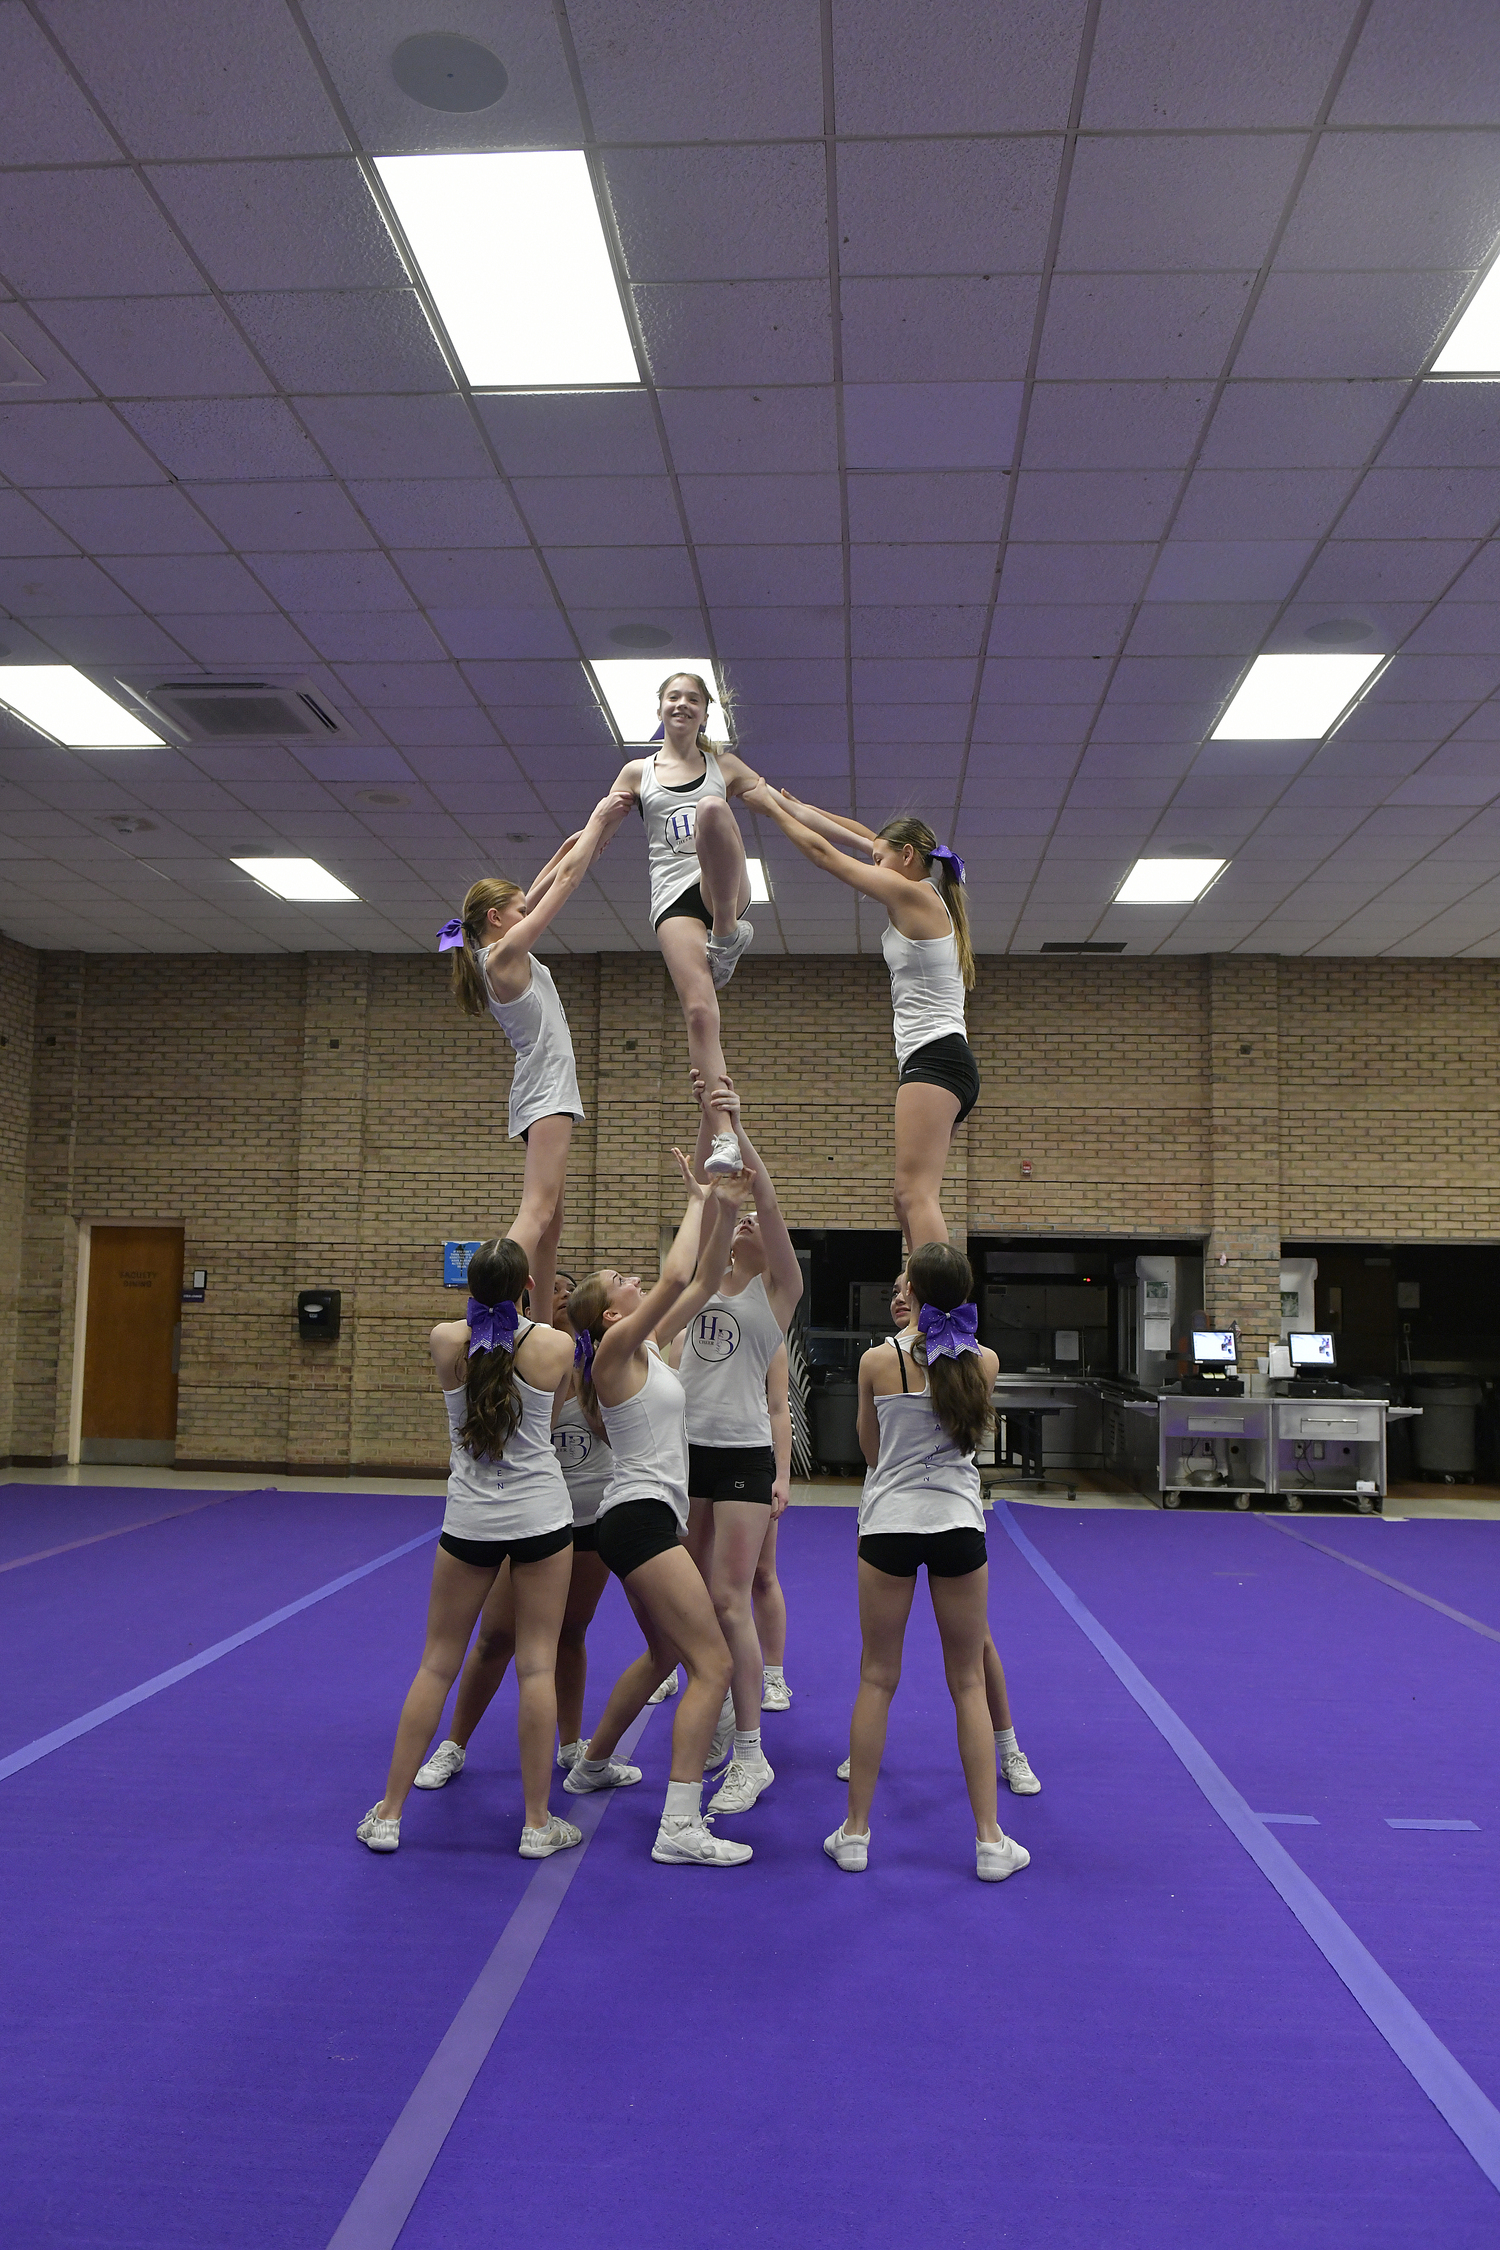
point(456, 1256)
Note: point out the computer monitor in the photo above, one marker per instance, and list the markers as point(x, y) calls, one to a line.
point(1213, 1347)
point(1311, 1350)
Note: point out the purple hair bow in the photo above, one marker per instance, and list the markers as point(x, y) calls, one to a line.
point(450, 935)
point(492, 1327)
point(941, 851)
point(949, 1333)
point(583, 1352)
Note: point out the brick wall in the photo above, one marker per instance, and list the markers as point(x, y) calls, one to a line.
point(329, 1120)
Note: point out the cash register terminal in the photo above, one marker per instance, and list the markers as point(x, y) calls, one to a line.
point(1214, 1365)
point(1312, 1356)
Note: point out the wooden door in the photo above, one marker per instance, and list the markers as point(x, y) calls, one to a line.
point(130, 1344)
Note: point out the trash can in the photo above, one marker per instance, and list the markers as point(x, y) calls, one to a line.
point(835, 1417)
point(1445, 1434)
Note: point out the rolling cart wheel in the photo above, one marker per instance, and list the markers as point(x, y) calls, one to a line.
point(1171, 1499)
point(1242, 1500)
point(1366, 1505)
point(1293, 1504)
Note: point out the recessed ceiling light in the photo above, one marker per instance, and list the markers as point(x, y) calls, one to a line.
point(639, 636)
point(296, 879)
point(759, 887)
point(443, 70)
point(1168, 882)
point(513, 250)
point(629, 687)
point(59, 702)
point(1294, 698)
point(1474, 346)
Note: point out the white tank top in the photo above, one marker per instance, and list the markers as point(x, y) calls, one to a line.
point(920, 1481)
point(648, 1438)
point(927, 986)
point(584, 1458)
point(545, 1080)
point(671, 817)
point(726, 1354)
point(522, 1494)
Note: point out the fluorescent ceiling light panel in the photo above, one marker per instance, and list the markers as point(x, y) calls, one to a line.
point(513, 250)
point(1474, 346)
point(297, 879)
point(58, 701)
point(629, 686)
point(1168, 882)
point(1294, 698)
point(759, 887)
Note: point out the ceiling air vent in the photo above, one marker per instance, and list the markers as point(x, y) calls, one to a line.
point(248, 711)
point(1084, 945)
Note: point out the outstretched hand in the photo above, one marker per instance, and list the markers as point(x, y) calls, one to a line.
point(697, 1189)
point(731, 1191)
point(723, 1098)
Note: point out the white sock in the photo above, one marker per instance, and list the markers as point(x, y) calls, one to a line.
point(1005, 1741)
point(566, 1747)
point(774, 1672)
point(747, 1745)
point(684, 1800)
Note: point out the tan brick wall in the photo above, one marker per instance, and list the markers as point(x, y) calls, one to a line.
point(206, 1091)
point(18, 970)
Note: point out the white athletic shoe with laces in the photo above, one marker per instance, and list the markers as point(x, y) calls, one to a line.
point(1015, 1771)
point(775, 1695)
point(995, 1861)
point(852, 1853)
point(723, 1741)
point(724, 1158)
point(724, 957)
point(843, 1771)
point(380, 1835)
point(692, 1843)
point(669, 1686)
point(446, 1760)
point(580, 1780)
point(744, 1779)
point(557, 1836)
point(568, 1754)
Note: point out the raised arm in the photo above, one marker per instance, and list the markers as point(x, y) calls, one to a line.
point(623, 1337)
point(837, 828)
point(892, 890)
point(721, 1209)
point(560, 878)
point(783, 1270)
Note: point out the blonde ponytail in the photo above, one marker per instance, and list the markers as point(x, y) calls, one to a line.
point(909, 830)
point(469, 988)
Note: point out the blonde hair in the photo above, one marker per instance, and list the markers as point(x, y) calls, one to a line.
point(709, 749)
point(585, 1309)
point(469, 988)
point(909, 830)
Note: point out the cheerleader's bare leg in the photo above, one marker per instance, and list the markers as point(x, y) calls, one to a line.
point(537, 1226)
point(925, 1118)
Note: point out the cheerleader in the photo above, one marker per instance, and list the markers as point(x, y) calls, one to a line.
point(699, 884)
point(926, 945)
point(644, 1512)
point(495, 973)
point(922, 1411)
point(507, 1502)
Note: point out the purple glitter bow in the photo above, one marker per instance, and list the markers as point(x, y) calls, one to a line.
point(450, 935)
point(583, 1352)
point(949, 1333)
point(941, 851)
point(492, 1327)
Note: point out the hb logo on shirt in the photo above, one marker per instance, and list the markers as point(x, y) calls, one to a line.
point(572, 1447)
point(716, 1334)
point(678, 829)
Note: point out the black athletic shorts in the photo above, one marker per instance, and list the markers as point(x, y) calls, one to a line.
point(947, 1554)
point(948, 1063)
point(489, 1554)
point(732, 1472)
point(586, 1538)
point(634, 1532)
point(688, 908)
point(526, 1136)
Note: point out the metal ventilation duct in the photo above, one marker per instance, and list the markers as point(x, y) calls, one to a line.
point(248, 711)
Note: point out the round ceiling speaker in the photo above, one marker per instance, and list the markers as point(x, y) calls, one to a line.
point(1338, 632)
point(441, 70)
point(639, 636)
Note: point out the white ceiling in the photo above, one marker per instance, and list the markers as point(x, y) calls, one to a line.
point(1016, 374)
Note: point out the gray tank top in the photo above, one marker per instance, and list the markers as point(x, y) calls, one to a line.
point(920, 1481)
point(927, 986)
point(671, 816)
point(726, 1355)
point(648, 1439)
point(522, 1494)
point(584, 1458)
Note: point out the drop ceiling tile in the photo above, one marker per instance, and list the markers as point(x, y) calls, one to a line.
point(933, 329)
point(152, 519)
point(635, 581)
point(223, 438)
point(156, 347)
point(766, 632)
point(965, 69)
point(600, 511)
point(1073, 571)
point(442, 512)
point(1371, 570)
point(1436, 682)
point(1135, 325)
point(917, 763)
point(719, 214)
point(1089, 793)
point(1227, 570)
point(104, 640)
point(1092, 425)
point(1389, 200)
point(24, 530)
point(92, 233)
point(813, 737)
point(942, 508)
point(474, 633)
point(1424, 504)
point(903, 680)
point(1432, 69)
point(344, 340)
point(1200, 628)
point(805, 680)
point(205, 584)
point(1214, 202)
point(467, 578)
point(1348, 324)
point(1163, 63)
point(359, 581)
point(33, 365)
point(682, 67)
point(1064, 629)
point(1326, 424)
point(1380, 625)
point(1171, 723)
point(745, 575)
point(922, 573)
point(71, 445)
point(524, 725)
point(781, 429)
point(282, 225)
point(536, 110)
point(295, 517)
point(721, 332)
point(396, 437)
point(530, 682)
point(931, 722)
point(945, 206)
point(911, 631)
point(1456, 628)
point(219, 641)
point(1092, 503)
point(1163, 761)
point(583, 433)
point(1004, 720)
point(46, 587)
point(1024, 680)
point(1274, 504)
point(596, 628)
point(756, 510)
point(44, 117)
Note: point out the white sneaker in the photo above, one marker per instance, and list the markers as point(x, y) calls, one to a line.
point(1016, 1773)
point(579, 1780)
point(851, 1852)
point(996, 1861)
point(775, 1695)
point(568, 1755)
point(692, 1843)
point(843, 1773)
point(446, 1760)
point(724, 1158)
point(557, 1836)
point(723, 1741)
point(380, 1835)
point(669, 1686)
point(744, 1779)
point(724, 959)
